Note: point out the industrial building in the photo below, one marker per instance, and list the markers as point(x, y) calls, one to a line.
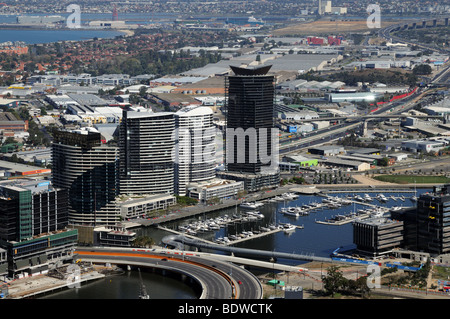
point(11, 169)
point(345, 164)
point(423, 146)
point(33, 226)
point(327, 150)
point(300, 160)
point(352, 97)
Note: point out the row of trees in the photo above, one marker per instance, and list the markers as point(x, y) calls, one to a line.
point(371, 76)
point(150, 62)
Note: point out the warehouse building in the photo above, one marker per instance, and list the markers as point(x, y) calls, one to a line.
point(423, 146)
point(351, 97)
point(345, 164)
point(300, 160)
point(327, 150)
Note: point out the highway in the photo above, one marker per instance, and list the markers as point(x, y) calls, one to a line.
point(218, 280)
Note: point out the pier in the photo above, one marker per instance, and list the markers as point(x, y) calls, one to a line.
point(253, 235)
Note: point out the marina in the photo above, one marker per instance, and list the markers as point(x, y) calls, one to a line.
point(307, 238)
point(250, 222)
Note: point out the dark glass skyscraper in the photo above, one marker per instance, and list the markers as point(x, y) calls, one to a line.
point(249, 107)
point(89, 170)
point(433, 221)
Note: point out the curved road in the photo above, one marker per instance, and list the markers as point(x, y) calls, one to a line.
point(219, 280)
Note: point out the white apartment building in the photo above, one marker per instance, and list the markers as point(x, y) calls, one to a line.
point(194, 147)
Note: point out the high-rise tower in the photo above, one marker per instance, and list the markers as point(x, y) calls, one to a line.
point(146, 143)
point(250, 139)
point(194, 147)
point(250, 104)
point(89, 171)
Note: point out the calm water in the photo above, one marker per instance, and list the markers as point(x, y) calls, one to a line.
point(48, 36)
point(315, 239)
point(127, 286)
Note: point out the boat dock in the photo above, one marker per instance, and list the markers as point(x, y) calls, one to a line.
point(339, 220)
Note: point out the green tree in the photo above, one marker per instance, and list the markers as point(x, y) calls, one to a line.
point(422, 69)
point(334, 281)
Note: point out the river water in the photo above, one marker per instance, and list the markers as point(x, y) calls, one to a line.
point(314, 239)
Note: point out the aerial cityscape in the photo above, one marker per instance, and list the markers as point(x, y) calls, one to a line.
point(225, 150)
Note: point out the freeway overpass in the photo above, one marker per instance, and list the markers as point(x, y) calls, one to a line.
point(217, 279)
point(362, 117)
point(179, 241)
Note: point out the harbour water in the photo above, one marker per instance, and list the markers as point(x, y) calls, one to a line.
point(313, 239)
point(49, 36)
point(127, 286)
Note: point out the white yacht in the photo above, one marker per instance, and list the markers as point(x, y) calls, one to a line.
point(250, 205)
point(288, 228)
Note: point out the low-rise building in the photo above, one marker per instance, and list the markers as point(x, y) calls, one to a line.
point(217, 188)
point(300, 160)
point(423, 146)
point(140, 206)
point(327, 150)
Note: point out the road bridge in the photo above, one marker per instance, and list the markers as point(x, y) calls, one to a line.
point(179, 241)
point(217, 279)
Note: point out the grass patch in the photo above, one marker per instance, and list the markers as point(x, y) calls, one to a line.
point(411, 179)
point(441, 272)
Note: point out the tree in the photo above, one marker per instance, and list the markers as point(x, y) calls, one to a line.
point(334, 281)
point(422, 69)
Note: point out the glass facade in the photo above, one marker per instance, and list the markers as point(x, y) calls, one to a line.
point(250, 104)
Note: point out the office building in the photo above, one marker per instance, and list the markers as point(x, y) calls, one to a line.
point(251, 154)
point(377, 236)
point(194, 147)
point(146, 144)
point(88, 169)
point(433, 221)
point(249, 107)
point(33, 221)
